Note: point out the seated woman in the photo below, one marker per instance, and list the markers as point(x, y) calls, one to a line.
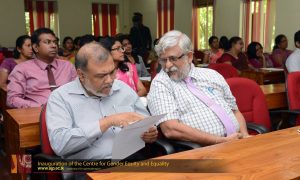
point(212, 55)
point(133, 58)
point(256, 56)
point(126, 71)
point(224, 44)
point(235, 56)
point(280, 52)
point(67, 52)
point(22, 52)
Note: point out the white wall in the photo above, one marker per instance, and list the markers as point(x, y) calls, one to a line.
point(287, 19)
point(12, 21)
point(148, 8)
point(183, 16)
point(74, 18)
point(227, 18)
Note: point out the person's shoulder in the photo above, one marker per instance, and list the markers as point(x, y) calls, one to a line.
point(8, 60)
point(66, 88)
point(122, 87)
point(64, 63)
point(162, 76)
point(293, 56)
point(27, 65)
point(207, 74)
point(201, 71)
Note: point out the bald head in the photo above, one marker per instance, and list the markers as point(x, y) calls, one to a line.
point(90, 52)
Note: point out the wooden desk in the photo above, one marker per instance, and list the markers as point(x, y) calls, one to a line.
point(269, 156)
point(22, 129)
point(3, 94)
point(264, 76)
point(275, 95)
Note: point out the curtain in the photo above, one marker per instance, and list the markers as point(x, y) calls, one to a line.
point(200, 28)
point(259, 20)
point(105, 19)
point(41, 14)
point(165, 16)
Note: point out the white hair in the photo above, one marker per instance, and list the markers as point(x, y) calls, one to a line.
point(171, 39)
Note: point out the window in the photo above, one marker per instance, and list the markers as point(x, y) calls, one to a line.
point(105, 20)
point(202, 23)
point(40, 14)
point(259, 22)
point(165, 16)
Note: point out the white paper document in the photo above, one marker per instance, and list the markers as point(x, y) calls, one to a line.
point(128, 140)
point(145, 79)
point(272, 69)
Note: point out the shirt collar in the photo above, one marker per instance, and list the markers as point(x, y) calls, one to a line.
point(192, 72)
point(79, 89)
point(44, 65)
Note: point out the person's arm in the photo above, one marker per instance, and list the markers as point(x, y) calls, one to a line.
point(278, 59)
point(151, 135)
point(161, 100)
point(206, 58)
point(144, 71)
point(263, 59)
point(230, 99)
point(240, 118)
point(149, 39)
point(16, 90)
point(173, 129)
point(65, 138)
point(3, 78)
point(141, 90)
point(73, 72)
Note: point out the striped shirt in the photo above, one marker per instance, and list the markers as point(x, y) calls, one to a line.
point(174, 98)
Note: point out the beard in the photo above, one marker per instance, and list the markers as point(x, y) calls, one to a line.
point(88, 87)
point(181, 74)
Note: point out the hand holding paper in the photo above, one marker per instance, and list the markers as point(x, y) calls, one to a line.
point(129, 141)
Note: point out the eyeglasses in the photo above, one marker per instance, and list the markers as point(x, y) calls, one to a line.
point(120, 49)
point(172, 59)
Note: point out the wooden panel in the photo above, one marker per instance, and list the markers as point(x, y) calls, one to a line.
point(275, 95)
point(21, 129)
point(264, 76)
point(30, 136)
point(273, 155)
point(3, 94)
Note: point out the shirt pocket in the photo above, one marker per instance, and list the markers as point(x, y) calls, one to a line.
point(122, 109)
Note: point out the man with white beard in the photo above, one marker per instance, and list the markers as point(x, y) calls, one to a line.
point(83, 116)
point(199, 104)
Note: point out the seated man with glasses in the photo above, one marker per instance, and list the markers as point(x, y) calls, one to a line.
point(31, 82)
point(199, 105)
point(84, 115)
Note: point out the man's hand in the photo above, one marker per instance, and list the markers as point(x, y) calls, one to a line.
point(151, 135)
point(120, 120)
point(123, 119)
point(231, 137)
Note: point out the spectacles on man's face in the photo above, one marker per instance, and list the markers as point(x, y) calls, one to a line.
point(120, 49)
point(172, 59)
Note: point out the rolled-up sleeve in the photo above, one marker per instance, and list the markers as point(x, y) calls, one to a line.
point(65, 139)
point(161, 101)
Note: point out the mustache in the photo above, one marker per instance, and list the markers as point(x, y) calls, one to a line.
point(172, 69)
point(108, 85)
